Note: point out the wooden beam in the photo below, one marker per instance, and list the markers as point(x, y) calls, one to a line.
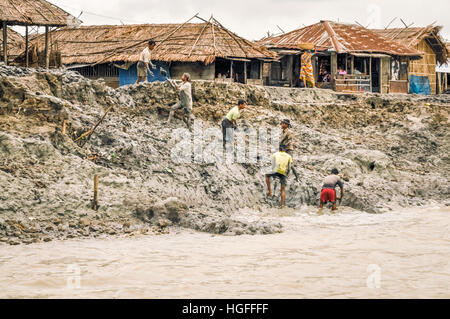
point(330, 32)
point(5, 42)
point(198, 38)
point(47, 59)
point(352, 64)
point(231, 71)
point(27, 59)
point(245, 72)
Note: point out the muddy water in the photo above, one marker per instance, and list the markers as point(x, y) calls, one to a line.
point(401, 254)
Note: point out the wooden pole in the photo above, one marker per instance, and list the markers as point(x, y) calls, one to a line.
point(231, 71)
point(95, 201)
point(352, 65)
point(27, 59)
point(5, 42)
point(245, 72)
point(47, 58)
point(64, 127)
point(370, 72)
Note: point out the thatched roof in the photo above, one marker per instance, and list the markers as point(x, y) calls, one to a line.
point(339, 37)
point(188, 42)
point(16, 43)
point(33, 12)
point(410, 37)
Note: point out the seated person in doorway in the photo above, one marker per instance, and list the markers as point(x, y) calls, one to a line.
point(328, 193)
point(229, 122)
point(144, 60)
point(281, 166)
point(185, 101)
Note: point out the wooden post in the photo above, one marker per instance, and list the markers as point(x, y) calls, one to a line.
point(47, 58)
point(352, 65)
point(370, 73)
point(231, 71)
point(27, 59)
point(245, 72)
point(333, 61)
point(95, 201)
point(64, 127)
point(5, 42)
point(346, 63)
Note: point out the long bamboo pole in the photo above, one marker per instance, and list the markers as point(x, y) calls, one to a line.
point(5, 43)
point(27, 58)
point(47, 59)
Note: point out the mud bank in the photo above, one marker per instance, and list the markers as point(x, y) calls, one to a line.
point(392, 150)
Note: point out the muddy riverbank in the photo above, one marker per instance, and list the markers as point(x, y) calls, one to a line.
point(392, 150)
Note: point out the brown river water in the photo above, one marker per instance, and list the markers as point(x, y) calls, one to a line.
point(348, 254)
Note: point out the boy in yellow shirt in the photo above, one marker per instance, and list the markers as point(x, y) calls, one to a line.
point(281, 167)
point(229, 122)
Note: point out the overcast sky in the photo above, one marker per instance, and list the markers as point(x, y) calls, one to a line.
point(253, 19)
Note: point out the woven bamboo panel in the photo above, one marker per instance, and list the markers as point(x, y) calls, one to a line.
point(425, 66)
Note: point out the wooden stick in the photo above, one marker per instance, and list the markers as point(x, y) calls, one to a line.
point(64, 127)
point(198, 38)
point(27, 58)
point(5, 43)
point(88, 133)
point(95, 201)
point(47, 58)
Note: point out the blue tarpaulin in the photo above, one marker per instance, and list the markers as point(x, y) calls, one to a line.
point(419, 85)
point(130, 76)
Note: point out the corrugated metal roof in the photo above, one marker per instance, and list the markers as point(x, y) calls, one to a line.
point(349, 38)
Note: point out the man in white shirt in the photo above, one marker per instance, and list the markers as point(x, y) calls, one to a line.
point(185, 99)
point(144, 60)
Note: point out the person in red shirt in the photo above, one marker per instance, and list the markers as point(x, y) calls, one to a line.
point(328, 193)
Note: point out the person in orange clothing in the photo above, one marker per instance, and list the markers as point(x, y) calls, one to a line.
point(306, 69)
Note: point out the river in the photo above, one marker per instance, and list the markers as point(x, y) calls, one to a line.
point(348, 254)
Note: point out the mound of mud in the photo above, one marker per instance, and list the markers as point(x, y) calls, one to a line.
point(392, 150)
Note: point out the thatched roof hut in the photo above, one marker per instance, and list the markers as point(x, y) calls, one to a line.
point(33, 12)
point(412, 36)
point(189, 42)
point(426, 40)
point(338, 37)
point(207, 50)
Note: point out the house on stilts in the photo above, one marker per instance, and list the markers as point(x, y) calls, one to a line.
point(348, 58)
point(37, 13)
point(423, 77)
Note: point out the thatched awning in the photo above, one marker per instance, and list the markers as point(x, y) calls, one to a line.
point(33, 12)
point(339, 37)
point(411, 36)
point(188, 42)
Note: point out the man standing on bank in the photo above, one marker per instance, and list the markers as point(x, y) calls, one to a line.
point(144, 60)
point(185, 101)
point(287, 141)
point(328, 193)
point(281, 166)
point(229, 122)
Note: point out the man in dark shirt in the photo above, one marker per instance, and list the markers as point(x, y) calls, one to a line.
point(287, 141)
point(328, 193)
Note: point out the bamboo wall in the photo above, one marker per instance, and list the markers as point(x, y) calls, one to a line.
point(425, 66)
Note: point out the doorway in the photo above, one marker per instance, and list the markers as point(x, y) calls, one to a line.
point(375, 75)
